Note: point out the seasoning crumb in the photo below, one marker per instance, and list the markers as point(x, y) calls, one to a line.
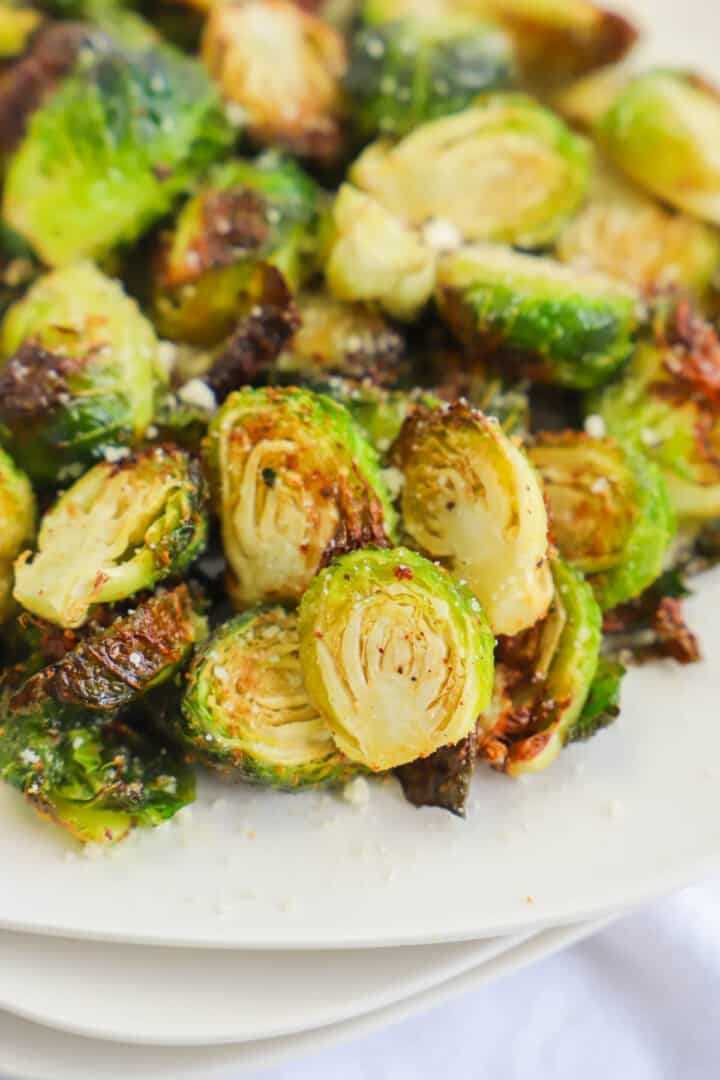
point(595, 426)
point(357, 792)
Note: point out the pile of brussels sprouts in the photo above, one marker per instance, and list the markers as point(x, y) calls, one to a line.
point(359, 391)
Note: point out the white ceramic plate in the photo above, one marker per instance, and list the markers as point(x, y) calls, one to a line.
point(31, 1052)
point(632, 813)
point(141, 994)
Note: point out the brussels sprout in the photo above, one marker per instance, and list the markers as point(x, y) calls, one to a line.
point(295, 483)
point(381, 413)
point(246, 710)
point(338, 338)
point(544, 677)
point(17, 525)
point(119, 529)
point(668, 405)
point(123, 135)
point(610, 511)
point(375, 257)
point(412, 70)
point(553, 322)
point(506, 170)
point(630, 236)
point(95, 782)
point(283, 68)
point(81, 374)
point(471, 498)
point(396, 656)
point(17, 24)
point(662, 129)
point(248, 216)
point(115, 666)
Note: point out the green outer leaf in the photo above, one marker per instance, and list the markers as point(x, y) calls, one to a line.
point(342, 589)
point(602, 706)
point(568, 327)
point(232, 742)
point(110, 151)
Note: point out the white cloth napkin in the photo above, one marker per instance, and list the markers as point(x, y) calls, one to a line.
point(639, 1001)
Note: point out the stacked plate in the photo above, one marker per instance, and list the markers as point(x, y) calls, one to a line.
point(256, 926)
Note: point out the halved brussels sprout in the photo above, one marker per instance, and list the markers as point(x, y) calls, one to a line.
point(119, 529)
point(111, 149)
point(17, 24)
point(339, 338)
point(17, 525)
point(470, 498)
point(610, 511)
point(411, 70)
point(283, 68)
point(95, 782)
point(630, 236)
point(662, 130)
point(506, 170)
point(295, 482)
point(668, 405)
point(246, 710)
point(544, 677)
point(81, 374)
point(115, 666)
point(396, 656)
point(374, 256)
point(551, 321)
point(211, 267)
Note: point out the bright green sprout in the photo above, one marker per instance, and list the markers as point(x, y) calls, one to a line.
point(17, 525)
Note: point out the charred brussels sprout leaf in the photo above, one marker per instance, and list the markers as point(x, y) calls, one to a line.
point(396, 656)
point(610, 511)
point(470, 498)
point(112, 668)
point(17, 525)
point(550, 321)
point(283, 68)
point(111, 149)
point(506, 170)
point(668, 405)
point(602, 705)
point(443, 778)
point(119, 529)
point(294, 482)
point(544, 677)
point(95, 782)
point(375, 257)
point(662, 129)
point(80, 375)
point(211, 267)
point(630, 236)
point(246, 710)
point(406, 72)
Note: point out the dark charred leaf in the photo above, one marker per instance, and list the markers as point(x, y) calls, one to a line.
point(442, 779)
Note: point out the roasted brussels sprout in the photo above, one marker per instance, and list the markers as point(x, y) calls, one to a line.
point(550, 321)
point(95, 782)
point(295, 483)
point(506, 170)
point(396, 656)
point(17, 23)
point(602, 705)
point(246, 710)
point(470, 498)
point(81, 374)
point(662, 129)
point(211, 267)
point(443, 778)
point(338, 338)
point(115, 666)
point(17, 525)
point(544, 677)
point(283, 68)
point(630, 236)
point(406, 72)
point(110, 150)
point(610, 511)
point(668, 405)
point(119, 529)
point(374, 256)
point(380, 412)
